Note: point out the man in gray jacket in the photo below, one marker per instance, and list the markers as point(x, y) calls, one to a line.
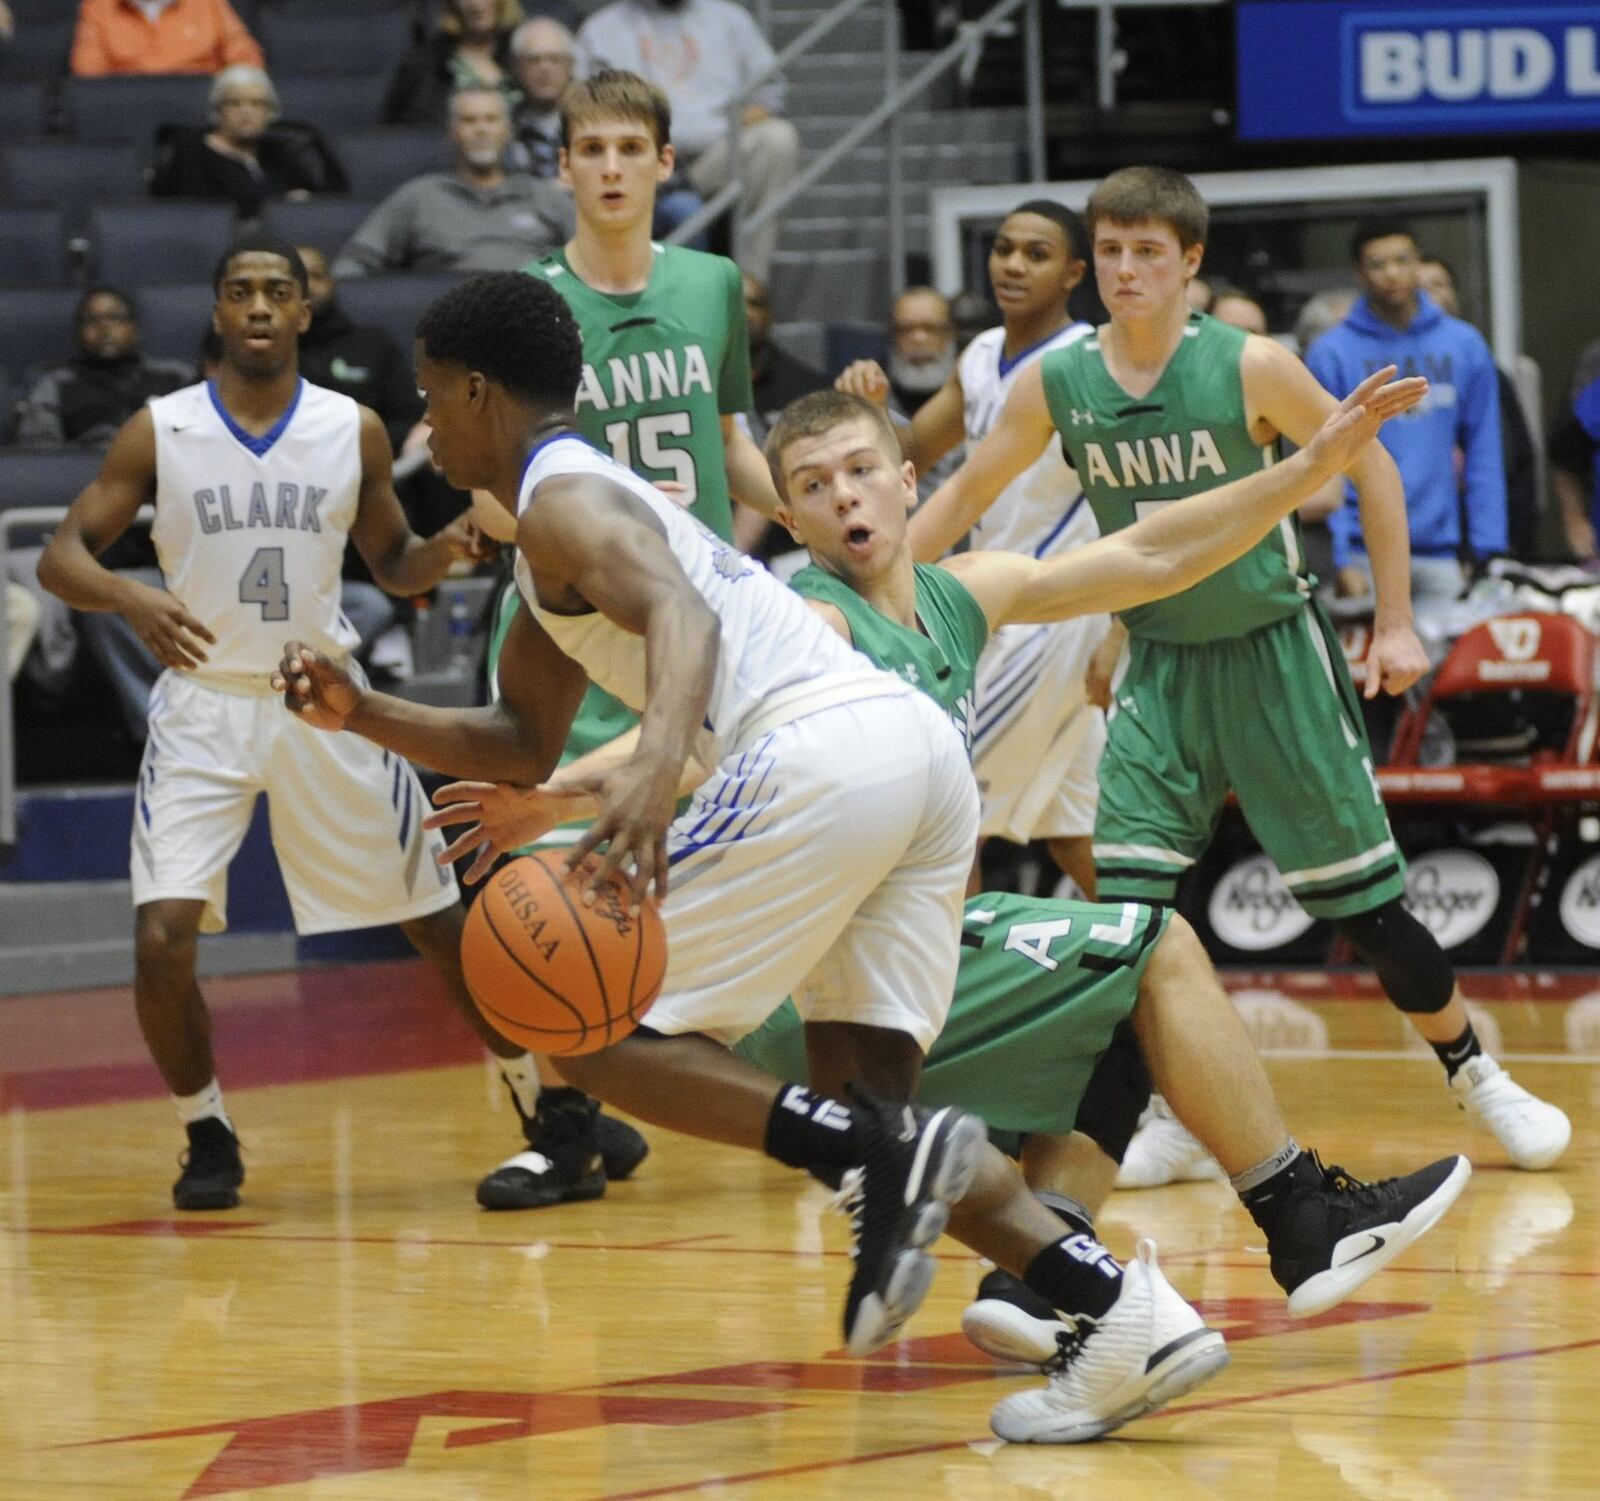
point(478, 217)
point(700, 54)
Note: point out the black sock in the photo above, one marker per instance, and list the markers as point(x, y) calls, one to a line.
point(810, 1131)
point(1266, 1188)
point(1076, 1275)
point(1454, 1054)
point(561, 1096)
point(1073, 1214)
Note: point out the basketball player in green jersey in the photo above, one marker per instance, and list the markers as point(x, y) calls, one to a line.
point(666, 368)
point(1237, 683)
point(1042, 984)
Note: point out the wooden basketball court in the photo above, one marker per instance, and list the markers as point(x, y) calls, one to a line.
point(358, 1328)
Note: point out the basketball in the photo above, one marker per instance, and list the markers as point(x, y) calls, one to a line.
point(554, 974)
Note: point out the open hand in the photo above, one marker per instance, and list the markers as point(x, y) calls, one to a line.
point(638, 800)
point(501, 818)
point(315, 688)
point(159, 620)
point(1347, 431)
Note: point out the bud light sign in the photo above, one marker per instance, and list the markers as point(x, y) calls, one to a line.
point(1322, 68)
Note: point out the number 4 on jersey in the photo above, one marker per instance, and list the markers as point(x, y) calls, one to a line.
point(262, 583)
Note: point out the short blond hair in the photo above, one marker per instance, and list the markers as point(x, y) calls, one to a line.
point(820, 412)
point(616, 94)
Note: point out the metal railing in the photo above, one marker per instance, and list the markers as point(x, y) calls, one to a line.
point(25, 518)
point(886, 113)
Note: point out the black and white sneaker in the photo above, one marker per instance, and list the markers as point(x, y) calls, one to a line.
point(1011, 1322)
point(916, 1164)
point(563, 1162)
point(212, 1168)
point(622, 1148)
point(1333, 1235)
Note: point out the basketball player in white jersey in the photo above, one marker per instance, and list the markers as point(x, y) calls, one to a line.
point(258, 479)
point(1036, 740)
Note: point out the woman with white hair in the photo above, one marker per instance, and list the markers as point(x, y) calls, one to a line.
point(247, 155)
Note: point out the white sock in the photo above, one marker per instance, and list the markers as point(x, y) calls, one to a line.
point(207, 1104)
point(523, 1077)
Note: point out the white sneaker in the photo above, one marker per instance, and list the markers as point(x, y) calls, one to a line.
point(1534, 1133)
point(1150, 1348)
point(1163, 1151)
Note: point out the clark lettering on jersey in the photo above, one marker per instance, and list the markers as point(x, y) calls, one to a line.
point(1170, 459)
point(292, 508)
point(636, 379)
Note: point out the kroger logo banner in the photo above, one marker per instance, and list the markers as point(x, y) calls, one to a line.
point(1320, 68)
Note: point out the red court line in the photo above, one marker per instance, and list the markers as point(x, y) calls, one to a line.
point(706, 1481)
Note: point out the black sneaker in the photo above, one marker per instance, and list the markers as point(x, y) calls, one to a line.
point(1335, 1234)
point(916, 1164)
point(622, 1148)
point(212, 1169)
point(1011, 1322)
point(562, 1162)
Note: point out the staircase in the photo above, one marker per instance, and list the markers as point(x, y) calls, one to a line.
point(831, 263)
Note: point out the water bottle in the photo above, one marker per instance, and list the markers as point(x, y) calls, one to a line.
point(461, 632)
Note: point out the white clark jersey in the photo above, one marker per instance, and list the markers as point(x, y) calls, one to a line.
point(779, 660)
point(1042, 511)
point(251, 532)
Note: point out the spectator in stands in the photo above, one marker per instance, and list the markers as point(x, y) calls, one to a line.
point(1438, 279)
point(364, 363)
point(701, 54)
point(477, 217)
point(107, 381)
point(469, 48)
point(544, 53)
point(159, 36)
point(1320, 312)
point(922, 347)
point(776, 376)
point(1198, 293)
point(246, 156)
point(1230, 305)
point(8, 29)
point(1575, 457)
point(1396, 322)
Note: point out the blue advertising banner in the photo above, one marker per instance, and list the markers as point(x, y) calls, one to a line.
point(1314, 69)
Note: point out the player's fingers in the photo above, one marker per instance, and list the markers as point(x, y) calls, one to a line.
point(195, 627)
point(447, 817)
point(1375, 670)
point(584, 847)
point(487, 853)
point(188, 643)
point(462, 845)
point(462, 792)
point(610, 863)
point(644, 870)
point(1368, 388)
point(663, 867)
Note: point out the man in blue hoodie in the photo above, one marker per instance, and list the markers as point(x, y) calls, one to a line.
point(1396, 323)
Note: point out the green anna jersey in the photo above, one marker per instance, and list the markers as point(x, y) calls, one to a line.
point(1189, 434)
point(941, 659)
point(661, 368)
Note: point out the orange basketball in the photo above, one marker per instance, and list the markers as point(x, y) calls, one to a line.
point(556, 975)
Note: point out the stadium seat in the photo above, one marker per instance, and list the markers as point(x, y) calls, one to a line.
point(22, 108)
point(130, 109)
point(378, 161)
point(323, 222)
point(69, 175)
point(39, 49)
point(37, 324)
point(174, 318)
point(44, 476)
point(306, 41)
point(32, 247)
point(393, 303)
point(331, 103)
point(844, 343)
point(137, 244)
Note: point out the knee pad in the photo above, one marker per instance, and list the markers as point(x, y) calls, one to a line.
point(1115, 1097)
point(1405, 956)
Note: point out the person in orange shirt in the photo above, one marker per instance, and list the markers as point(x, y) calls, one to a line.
point(159, 36)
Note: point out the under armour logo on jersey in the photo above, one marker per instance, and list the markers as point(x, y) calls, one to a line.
point(1081, 418)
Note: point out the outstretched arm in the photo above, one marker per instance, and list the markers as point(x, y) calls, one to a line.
point(1182, 543)
point(938, 424)
point(1010, 446)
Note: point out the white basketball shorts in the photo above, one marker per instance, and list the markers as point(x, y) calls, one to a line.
point(346, 816)
point(826, 860)
point(1036, 740)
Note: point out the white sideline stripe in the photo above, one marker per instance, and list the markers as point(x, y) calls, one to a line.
point(1340, 867)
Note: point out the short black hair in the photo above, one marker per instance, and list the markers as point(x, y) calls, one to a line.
point(514, 328)
point(1369, 230)
point(258, 244)
point(1058, 213)
point(101, 289)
